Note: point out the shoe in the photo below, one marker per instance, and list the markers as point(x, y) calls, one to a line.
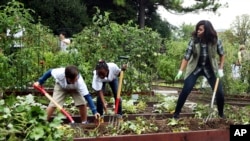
point(85, 122)
point(222, 116)
point(176, 116)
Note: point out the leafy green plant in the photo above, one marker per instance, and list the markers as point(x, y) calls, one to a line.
point(24, 119)
point(138, 126)
point(167, 105)
point(129, 106)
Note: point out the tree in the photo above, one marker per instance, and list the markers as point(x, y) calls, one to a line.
point(241, 28)
point(118, 13)
point(59, 14)
point(67, 15)
point(185, 31)
point(174, 6)
point(228, 36)
point(162, 27)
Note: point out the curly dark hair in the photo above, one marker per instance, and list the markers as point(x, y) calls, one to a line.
point(101, 65)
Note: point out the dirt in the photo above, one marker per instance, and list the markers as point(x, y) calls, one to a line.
point(193, 124)
point(163, 126)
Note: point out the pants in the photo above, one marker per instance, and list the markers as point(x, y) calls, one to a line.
point(114, 87)
point(60, 94)
point(189, 83)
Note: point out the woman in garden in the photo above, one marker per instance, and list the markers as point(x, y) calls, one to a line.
point(69, 82)
point(200, 60)
point(106, 73)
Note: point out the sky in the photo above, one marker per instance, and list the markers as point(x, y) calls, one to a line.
point(223, 18)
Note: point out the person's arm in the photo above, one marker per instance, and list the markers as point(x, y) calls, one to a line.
point(187, 55)
point(66, 41)
point(221, 53)
point(239, 57)
point(45, 76)
point(185, 59)
point(88, 98)
point(222, 59)
point(184, 63)
point(97, 86)
point(101, 94)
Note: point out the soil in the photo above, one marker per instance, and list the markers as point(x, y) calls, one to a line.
point(184, 124)
point(194, 124)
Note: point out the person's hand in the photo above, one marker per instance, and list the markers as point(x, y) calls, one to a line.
point(97, 116)
point(220, 73)
point(124, 67)
point(37, 84)
point(178, 76)
point(105, 109)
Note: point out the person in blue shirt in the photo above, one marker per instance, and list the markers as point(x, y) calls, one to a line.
point(69, 82)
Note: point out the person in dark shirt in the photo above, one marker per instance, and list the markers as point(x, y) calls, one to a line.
point(200, 60)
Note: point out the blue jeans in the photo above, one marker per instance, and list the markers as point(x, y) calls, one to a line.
point(114, 87)
point(189, 83)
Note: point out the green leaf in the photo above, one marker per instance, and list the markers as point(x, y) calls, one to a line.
point(37, 133)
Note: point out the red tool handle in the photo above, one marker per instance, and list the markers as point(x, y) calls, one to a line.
point(57, 105)
point(117, 101)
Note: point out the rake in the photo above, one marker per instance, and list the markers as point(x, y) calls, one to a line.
point(114, 120)
point(63, 111)
point(211, 111)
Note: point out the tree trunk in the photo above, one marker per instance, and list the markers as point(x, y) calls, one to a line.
point(141, 17)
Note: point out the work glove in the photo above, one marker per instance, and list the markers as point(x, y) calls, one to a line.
point(220, 73)
point(178, 76)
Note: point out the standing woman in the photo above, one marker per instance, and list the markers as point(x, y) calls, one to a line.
point(106, 73)
point(200, 60)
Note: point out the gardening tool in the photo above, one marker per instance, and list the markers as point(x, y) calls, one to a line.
point(63, 111)
point(211, 111)
point(117, 101)
point(115, 119)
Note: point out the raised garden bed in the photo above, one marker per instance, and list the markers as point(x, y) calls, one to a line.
point(188, 129)
point(206, 135)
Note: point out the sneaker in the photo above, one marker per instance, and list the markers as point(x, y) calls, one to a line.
point(85, 122)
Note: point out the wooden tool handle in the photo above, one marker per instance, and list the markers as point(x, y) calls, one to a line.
point(120, 85)
point(215, 90)
point(117, 100)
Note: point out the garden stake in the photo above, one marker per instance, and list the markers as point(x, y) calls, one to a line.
point(211, 111)
point(63, 111)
